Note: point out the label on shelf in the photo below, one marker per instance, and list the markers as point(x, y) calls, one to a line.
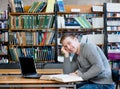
point(97, 8)
point(75, 10)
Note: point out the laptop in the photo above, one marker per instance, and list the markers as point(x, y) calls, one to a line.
point(28, 69)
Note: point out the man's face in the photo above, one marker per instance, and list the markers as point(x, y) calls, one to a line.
point(70, 44)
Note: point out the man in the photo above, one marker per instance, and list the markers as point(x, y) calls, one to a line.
point(89, 62)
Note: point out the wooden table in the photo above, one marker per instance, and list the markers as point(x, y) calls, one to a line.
point(39, 71)
point(12, 78)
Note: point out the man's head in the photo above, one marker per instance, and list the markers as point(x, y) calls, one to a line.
point(70, 43)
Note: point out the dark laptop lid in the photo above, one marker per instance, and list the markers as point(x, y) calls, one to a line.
point(27, 66)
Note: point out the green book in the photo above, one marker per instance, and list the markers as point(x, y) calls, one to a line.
point(51, 21)
point(80, 21)
point(87, 23)
point(17, 22)
point(19, 52)
point(36, 7)
point(33, 6)
point(42, 18)
point(46, 21)
point(41, 6)
point(12, 53)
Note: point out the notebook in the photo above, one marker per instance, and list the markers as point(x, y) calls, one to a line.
point(28, 69)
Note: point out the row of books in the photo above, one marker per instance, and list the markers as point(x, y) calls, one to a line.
point(113, 28)
point(4, 15)
point(16, 5)
point(114, 45)
point(86, 15)
point(51, 5)
point(84, 23)
point(31, 38)
point(3, 36)
point(31, 21)
point(80, 21)
point(113, 14)
point(47, 6)
point(74, 22)
point(39, 53)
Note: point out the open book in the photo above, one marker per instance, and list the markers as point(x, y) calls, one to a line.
point(62, 78)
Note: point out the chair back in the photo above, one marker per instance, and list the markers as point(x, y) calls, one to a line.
point(115, 77)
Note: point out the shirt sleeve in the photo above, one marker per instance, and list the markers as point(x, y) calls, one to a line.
point(92, 55)
point(69, 66)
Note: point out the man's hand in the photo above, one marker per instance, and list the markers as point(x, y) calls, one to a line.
point(74, 73)
point(66, 54)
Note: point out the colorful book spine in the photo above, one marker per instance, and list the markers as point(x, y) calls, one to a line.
point(50, 6)
point(61, 5)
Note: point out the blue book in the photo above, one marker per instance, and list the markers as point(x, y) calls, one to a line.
point(71, 22)
point(61, 5)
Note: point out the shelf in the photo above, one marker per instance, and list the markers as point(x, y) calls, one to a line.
point(31, 45)
point(4, 43)
point(32, 29)
point(6, 29)
point(41, 13)
point(113, 17)
point(64, 13)
point(3, 19)
point(3, 55)
point(113, 31)
point(80, 30)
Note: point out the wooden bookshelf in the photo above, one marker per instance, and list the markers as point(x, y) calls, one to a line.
point(39, 34)
point(84, 10)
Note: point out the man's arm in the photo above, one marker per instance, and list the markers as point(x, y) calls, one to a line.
point(69, 66)
point(92, 55)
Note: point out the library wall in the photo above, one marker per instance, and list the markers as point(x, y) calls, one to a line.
point(3, 3)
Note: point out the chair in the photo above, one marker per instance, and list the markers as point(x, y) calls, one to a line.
point(115, 77)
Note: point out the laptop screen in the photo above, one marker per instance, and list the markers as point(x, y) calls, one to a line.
point(27, 65)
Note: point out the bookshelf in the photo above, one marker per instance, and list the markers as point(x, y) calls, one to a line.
point(112, 33)
point(32, 31)
point(32, 35)
point(4, 37)
point(69, 22)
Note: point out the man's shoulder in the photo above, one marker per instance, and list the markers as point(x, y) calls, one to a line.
point(88, 44)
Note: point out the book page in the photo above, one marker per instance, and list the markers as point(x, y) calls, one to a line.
point(62, 78)
point(46, 77)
